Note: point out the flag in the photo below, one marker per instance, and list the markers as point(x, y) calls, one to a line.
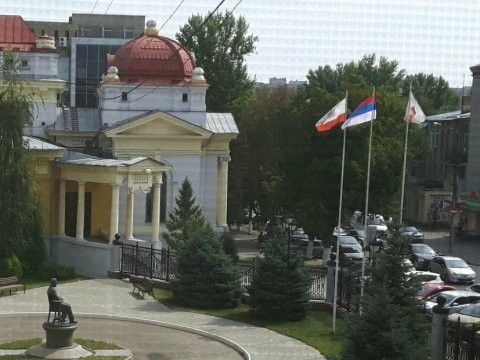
point(414, 113)
point(366, 111)
point(335, 116)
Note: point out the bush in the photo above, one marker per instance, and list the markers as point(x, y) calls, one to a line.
point(229, 245)
point(11, 266)
point(206, 276)
point(280, 288)
point(59, 272)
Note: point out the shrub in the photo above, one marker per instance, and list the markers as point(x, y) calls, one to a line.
point(229, 245)
point(11, 266)
point(206, 276)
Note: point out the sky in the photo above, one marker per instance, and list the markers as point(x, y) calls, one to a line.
point(441, 37)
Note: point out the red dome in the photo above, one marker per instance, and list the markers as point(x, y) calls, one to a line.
point(153, 60)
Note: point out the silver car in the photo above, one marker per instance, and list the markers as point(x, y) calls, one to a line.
point(456, 300)
point(452, 269)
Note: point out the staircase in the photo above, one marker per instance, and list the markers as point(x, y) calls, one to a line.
point(74, 118)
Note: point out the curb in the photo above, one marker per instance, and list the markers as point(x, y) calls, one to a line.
point(230, 343)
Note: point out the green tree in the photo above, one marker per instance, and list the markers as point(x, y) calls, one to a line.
point(281, 283)
point(186, 216)
point(220, 45)
point(20, 218)
point(391, 324)
point(206, 276)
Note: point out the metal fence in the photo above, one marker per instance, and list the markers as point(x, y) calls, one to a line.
point(462, 343)
point(161, 264)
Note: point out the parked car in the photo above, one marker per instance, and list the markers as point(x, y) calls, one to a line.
point(429, 289)
point(421, 254)
point(425, 277)
point(349, 247)
point(452, 269)
point(456, 300)
point(474, 287)
point(413, 233)
point(469, 316)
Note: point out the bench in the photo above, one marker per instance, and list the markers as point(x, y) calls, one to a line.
point(11, 283)
point(142, 284)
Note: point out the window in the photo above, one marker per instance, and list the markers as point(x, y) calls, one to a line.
point(184, 97)
point(106, 32)
point(128, 32)
point(24, 64)
point(124, 96)
point(435, 138)
point(84, 31)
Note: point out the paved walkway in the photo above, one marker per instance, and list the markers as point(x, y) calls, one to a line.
point(468, 250)
point(112, 299)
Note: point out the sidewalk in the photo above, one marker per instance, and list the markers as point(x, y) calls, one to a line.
point(112, 299)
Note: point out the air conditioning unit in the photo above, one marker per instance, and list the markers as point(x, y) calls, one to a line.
point(62, 41)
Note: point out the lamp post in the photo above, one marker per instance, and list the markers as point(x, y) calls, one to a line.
point(288, 223)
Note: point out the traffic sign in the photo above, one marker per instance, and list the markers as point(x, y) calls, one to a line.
point(454, 211)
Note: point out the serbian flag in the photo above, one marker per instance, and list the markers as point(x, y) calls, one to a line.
point(414, 113)
point(335, 116)
point(365, 112)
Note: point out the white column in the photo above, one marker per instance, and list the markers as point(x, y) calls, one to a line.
point(222, 187)
point(114, 212)
point(129, 216)
point(61, 208)
point(156, 209)
point(80, 211)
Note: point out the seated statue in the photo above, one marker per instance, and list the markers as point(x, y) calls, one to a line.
point(65, 308)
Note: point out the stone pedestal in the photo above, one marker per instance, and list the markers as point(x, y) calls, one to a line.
point(59, 336)
point(59, 343)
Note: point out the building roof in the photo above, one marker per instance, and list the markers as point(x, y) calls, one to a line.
point(453, 115)
point(37, 144)
point(153, 60)
point(15, 34)
point(221, 123)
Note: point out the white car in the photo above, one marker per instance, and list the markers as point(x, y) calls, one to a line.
point(452, 269)
point(456, 300)
point(425, 277)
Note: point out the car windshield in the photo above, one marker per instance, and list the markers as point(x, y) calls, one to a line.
point(410, 229)
point(348, 240)
point(376, 220)
point(422, 249)
point(456, 263)
point(471, 311)
point(448, 297)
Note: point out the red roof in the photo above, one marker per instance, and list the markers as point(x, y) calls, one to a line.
point(15, 33)
point(153, 60)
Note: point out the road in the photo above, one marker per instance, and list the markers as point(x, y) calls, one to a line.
point(465, 249)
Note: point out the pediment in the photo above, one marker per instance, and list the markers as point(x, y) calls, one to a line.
point(157, 124)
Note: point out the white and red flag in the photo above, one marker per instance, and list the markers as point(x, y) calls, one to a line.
point(334, 117)
point(414, 113)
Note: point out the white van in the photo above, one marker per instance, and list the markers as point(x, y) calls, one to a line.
point(377, 221)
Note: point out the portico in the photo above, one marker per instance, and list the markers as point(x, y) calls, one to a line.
point(106, 180)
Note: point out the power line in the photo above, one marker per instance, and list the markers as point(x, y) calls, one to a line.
point(173, 13)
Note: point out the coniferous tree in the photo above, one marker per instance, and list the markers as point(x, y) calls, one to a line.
point(281, 283)
point(391, 324)
point(206, 276)
point(20, 230)
point(185, 217)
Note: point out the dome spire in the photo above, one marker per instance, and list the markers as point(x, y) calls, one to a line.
point(151, 29)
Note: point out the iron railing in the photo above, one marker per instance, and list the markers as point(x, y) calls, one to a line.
point(462, 342)
point(161, 264)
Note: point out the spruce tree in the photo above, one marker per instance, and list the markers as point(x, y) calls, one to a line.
point(280, 288)
point(20, 217)
point(185, 217)
point(206, 276)
point(391, 324)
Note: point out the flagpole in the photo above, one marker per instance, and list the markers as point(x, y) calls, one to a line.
point(362, 282)
point(404, 174)
point(339, 224)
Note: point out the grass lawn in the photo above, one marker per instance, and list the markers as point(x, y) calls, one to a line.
point(92, 344)
point(315, 330)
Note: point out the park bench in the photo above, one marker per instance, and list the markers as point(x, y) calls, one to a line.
point(11, 283)
point(142, 284)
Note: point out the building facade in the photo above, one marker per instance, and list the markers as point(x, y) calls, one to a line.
point(118, 168)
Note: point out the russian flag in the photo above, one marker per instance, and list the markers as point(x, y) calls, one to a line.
point(365, 112)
